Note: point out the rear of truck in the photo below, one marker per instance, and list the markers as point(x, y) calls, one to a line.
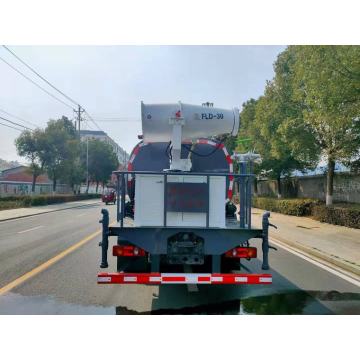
point(182, 227)
point(179, 224)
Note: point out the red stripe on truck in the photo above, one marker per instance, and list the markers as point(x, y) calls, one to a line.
point(186, 278)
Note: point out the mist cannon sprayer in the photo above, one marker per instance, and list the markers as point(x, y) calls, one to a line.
point(178, 122)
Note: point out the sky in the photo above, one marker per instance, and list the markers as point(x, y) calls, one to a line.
point(111, 81)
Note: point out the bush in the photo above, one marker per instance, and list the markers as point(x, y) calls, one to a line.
point(337, 215)
point(296, 207)
point(13, 202)
point(6, 205)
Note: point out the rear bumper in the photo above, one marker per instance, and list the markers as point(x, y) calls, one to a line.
point(182, 278)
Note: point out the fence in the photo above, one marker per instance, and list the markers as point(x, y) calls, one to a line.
point(15, 188)
point(346, 187)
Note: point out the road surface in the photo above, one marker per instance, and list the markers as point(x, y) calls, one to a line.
point(49, 263)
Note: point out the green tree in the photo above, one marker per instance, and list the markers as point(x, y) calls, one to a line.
point(327, 84)
point(72, 169)
point(102, 162)
point(277, 132)
point(30, 144)
point(62, 146)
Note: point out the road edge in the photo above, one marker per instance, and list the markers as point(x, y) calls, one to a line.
point(332, 262)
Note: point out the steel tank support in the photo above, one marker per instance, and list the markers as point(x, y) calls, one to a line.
point(105, 238)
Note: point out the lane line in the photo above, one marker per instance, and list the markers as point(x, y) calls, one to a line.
point(31, 229)
point(80, 215)
point(49, 262)
point(315, 261)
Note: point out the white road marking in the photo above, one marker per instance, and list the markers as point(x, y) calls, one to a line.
point(34, 228)
point(316, 262)
point(81, 215)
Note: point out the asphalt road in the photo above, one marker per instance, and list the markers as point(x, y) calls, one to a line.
point(69, 286)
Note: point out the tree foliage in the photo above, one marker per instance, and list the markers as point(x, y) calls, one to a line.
point(31, 145)
point(62, 149)
point(102, 161)
point(309, 110)
point(58, 150)
point(327, 84)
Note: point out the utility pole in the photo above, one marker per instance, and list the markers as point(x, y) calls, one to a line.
point(78, 112)
point(87, 164)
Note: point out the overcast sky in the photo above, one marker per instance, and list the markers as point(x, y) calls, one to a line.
point(110, 82)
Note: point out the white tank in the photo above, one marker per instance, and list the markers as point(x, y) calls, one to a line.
point(199, 121)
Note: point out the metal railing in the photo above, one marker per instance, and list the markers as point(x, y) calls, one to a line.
point(243, 180)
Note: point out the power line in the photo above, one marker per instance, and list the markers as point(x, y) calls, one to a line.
point(11, 127)
point(15, 123)
point(89, 116)
point(87, 124)
point(118, 121)
point(41, 77)
point(48, 82)
point(33, 82)
point(116, 117)
point(19, 118)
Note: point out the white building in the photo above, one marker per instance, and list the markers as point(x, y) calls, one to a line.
point(121, 154)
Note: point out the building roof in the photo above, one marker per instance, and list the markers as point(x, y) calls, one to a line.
point(22, 174)
point(93, 132)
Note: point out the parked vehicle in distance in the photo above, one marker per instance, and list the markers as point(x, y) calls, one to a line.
point(109, 196)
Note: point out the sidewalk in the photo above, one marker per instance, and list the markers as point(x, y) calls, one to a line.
point(36, 210)
point(338, 245)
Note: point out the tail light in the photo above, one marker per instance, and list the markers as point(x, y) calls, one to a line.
point(242, 252)
point(128, 250)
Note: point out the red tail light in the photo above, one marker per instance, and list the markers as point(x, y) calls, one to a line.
point(128, 250)
point(242, 252)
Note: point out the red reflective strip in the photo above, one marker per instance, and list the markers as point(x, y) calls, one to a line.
point(136, 150)
point(202, 141)
point(254, 279)
point(231, 177)
point(173, 278)
point(227, 279)
point(229, 194)
point(228, 159)
point(156, 278)
point(221, 146)
point(130, 166)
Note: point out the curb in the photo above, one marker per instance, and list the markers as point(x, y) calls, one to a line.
point(320, 255)
point(46, 212)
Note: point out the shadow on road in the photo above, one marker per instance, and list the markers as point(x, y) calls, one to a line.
point(290, 303)
point(281, 298)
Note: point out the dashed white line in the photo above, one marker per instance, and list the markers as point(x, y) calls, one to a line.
point(81, 215)
point(34, 228)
